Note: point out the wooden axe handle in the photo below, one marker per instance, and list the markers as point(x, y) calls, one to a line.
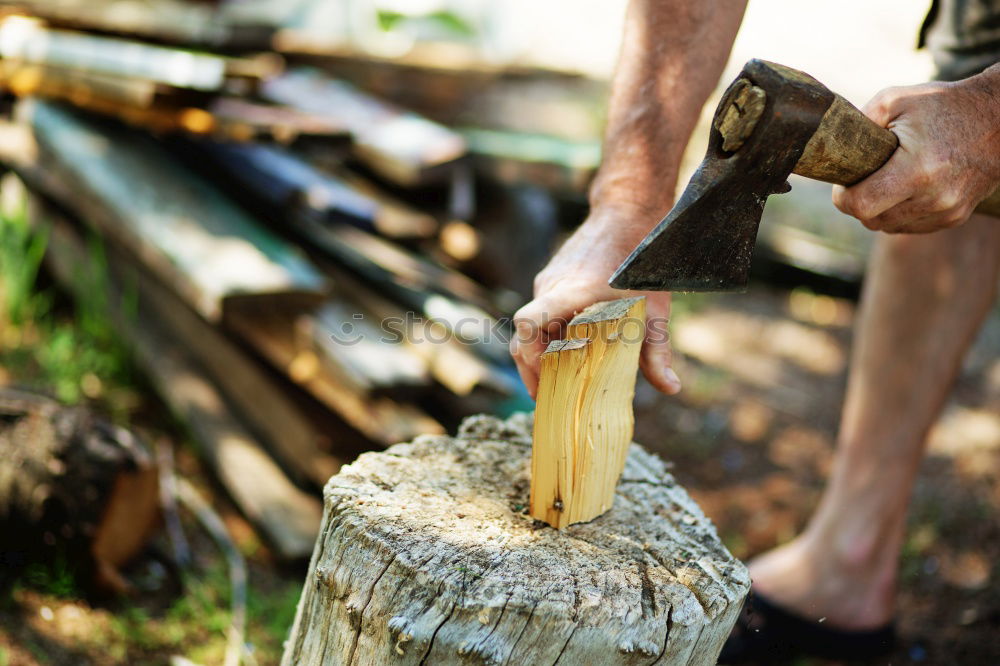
point(848, 146)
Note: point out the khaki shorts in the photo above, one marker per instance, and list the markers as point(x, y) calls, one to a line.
point(963, 36)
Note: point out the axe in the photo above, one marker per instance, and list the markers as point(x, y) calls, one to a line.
point(772, 121)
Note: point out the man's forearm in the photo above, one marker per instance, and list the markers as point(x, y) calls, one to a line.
point(672, 54)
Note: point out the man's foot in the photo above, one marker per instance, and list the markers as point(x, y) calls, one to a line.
point(848, 591)
point(816, 599)
point(768, 634)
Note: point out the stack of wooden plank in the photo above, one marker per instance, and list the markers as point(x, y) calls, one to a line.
point(293, 259)
point(174, 22)
point(161, 88)
point(522, 125)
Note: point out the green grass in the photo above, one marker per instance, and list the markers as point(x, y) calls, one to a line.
point(273, 614)
point(21, 253)
point(195, 624)
point(65, 347)
point(53, 578)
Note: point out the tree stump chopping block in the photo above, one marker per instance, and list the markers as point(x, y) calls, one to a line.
point(426, 556)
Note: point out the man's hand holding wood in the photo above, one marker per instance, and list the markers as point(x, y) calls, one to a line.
point(577, 277)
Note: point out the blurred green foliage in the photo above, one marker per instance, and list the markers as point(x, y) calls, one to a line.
point(21, 253)
point(196, 623)
point(71, 350)
point(54, 578)
point(142, 629)
point(448, 22)
point(67, 345)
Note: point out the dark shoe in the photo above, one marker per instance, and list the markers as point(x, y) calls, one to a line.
point(767, 633)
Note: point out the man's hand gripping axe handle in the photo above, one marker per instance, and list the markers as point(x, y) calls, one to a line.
point(772, 121)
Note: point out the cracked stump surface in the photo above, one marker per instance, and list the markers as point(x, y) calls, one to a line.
point(427, 557)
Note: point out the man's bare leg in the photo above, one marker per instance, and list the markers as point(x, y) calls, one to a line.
point(924, 300)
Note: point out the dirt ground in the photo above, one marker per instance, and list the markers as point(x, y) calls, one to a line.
point(752, 438)
point(172, 615)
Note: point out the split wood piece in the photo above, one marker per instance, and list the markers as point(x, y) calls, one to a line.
point(178, 22)
point(72, 486)
point(426, 557)
point(583, 418)
point(400, 145)
point(192, 236)
point(286, 516)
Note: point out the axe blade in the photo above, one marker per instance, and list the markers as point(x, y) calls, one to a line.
point(706, 242)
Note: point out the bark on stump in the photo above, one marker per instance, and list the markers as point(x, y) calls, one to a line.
point(426, 556)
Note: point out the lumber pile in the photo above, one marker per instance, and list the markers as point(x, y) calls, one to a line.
point(222, 396)
point(305, 270)
point(177, 22)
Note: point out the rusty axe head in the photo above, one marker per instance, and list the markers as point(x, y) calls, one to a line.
point(760, 129)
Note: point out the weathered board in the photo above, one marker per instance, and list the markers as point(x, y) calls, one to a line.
point(432, 290)
point(270, 328)
point(400, 145)
point(286, 179)
point(30, 41)
point(266, 322)
point(171, 21)
point(183, 228)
